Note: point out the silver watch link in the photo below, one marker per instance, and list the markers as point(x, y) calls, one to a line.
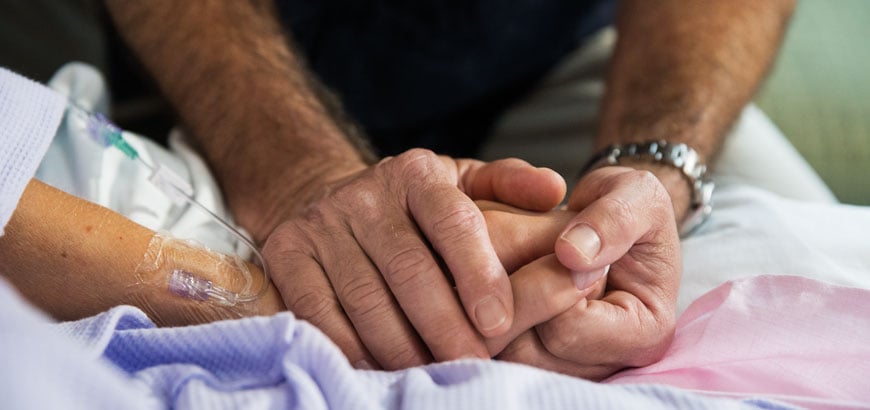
point(679, 156)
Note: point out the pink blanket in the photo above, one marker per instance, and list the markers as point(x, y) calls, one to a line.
point(783, 337)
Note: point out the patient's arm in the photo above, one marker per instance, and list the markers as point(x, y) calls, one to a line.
point(73, 259)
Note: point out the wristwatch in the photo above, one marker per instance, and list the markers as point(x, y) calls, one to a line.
point(680, 156)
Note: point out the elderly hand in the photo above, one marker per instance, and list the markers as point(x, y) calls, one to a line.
point(625, 220)
point(360, 264)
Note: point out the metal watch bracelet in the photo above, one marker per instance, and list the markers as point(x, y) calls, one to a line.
point(679, 156)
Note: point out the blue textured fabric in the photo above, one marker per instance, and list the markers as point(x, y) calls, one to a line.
point(118, 359)
point(436, 73)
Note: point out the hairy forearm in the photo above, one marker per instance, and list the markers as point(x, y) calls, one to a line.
point(259, 117)
point(73, 259)
point(683, 70)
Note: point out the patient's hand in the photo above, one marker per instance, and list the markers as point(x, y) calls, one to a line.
point(631, 321)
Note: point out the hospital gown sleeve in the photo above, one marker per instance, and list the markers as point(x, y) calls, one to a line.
point(29, 116)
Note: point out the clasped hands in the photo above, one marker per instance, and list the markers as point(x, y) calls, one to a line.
point(529, 286)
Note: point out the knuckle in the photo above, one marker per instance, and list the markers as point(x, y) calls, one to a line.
point(646, 183)
point(402, 356)
point(358, 196)
point(279, 240)
point(415, 154)
point(408, 266)
point(561, 336)
point(558, 341)
point(458, 222)
point(417, 164)
point(316, 214)
point(647, 355)
point(362, 296)
point(661, 336)
point(619, 210)
point(449, 342)
point(524, 349)
point(284, 245)
point(323, 222)
point(313, 304)
point(407, 171)
point(652, 194)
point(642, 177)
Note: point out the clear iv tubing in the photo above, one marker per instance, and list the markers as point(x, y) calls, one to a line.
point(105, 133)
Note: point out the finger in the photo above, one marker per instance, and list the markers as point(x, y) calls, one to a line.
point(619, 208)
point(512, 181)
point(456, 230)
point(543, 289)
point(368, 303)
point(626, 209)
point(528, 349)
point(308, 294)
point(394, 244)
point(421, 289)
point(520, 237)
point(616, 331)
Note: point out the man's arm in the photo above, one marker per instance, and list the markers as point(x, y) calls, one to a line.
point(682, 71)
point(246, 98)
point(359, 242)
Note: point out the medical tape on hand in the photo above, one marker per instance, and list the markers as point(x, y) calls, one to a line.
point(192, 271)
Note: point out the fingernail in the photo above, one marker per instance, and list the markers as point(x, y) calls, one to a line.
point(585, 239)
point(490, 313)
point(583, 280)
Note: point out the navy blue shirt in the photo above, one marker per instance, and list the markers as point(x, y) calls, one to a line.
point(436, 73)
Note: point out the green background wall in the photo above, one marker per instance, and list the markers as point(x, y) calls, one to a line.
point(819, 92)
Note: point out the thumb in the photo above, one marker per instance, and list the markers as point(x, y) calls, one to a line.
point(619, 208)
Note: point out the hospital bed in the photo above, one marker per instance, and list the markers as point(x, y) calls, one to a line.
point(774, 311)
